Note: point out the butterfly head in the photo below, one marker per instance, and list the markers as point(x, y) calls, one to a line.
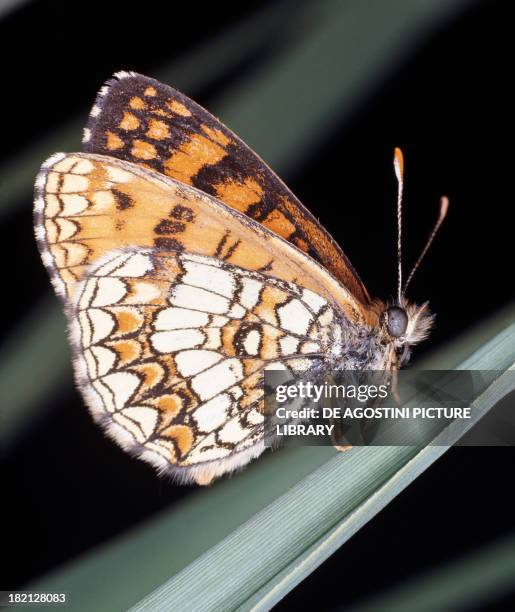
point(403, 326)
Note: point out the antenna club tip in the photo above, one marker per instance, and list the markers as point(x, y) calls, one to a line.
point(398, 162)
point(444, 206)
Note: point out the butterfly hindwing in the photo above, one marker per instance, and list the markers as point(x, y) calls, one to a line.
point(171, 349)
point(142, 121)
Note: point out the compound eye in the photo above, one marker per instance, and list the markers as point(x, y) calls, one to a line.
point(396, 321)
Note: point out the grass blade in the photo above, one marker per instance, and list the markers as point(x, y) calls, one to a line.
point(41, 350)
point(336, 500)
point(292, 509)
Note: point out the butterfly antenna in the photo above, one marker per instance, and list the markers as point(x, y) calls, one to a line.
point(398, 164)
point(444, 206)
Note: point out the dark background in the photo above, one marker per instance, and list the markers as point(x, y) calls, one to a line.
point(445, 104)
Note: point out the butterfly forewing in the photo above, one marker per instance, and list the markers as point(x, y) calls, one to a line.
point(140, 120)
point(88, 205)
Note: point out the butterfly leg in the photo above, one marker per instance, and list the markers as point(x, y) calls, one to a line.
point(341, 449)
point(338, 436)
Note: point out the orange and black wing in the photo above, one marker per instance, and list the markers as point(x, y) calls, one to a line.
point(140, 120)
point(88, 205)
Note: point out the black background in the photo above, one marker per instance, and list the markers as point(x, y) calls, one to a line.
point(446, 105)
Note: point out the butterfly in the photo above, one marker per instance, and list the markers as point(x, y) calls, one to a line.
point(187, 268)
